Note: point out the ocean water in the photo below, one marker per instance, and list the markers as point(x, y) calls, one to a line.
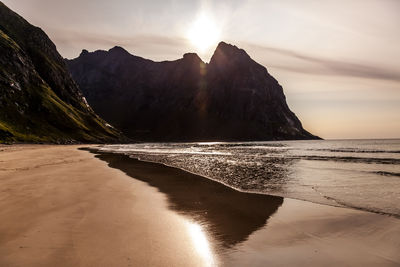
point(362, 174)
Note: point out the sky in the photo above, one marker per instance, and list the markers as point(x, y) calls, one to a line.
point(337, 60)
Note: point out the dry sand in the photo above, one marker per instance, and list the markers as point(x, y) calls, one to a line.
point(60, 206)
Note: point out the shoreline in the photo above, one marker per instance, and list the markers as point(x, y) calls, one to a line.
point(95, 149)
point(63, 206)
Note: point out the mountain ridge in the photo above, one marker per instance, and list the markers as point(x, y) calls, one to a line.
point(39, 101)
point(231, 98)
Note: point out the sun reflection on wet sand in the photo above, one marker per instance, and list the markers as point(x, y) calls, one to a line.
point(201, 244)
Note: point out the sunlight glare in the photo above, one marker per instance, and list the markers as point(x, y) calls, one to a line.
point(201, 243)
point(204, 33)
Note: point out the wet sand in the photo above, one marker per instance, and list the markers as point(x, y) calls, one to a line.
point(60, 206)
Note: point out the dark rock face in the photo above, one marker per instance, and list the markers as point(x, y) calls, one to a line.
point(39, 101)
point(230, 99)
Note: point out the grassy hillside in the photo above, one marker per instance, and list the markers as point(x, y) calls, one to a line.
point(39, 101)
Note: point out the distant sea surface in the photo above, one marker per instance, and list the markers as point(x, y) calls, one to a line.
point(362, 174)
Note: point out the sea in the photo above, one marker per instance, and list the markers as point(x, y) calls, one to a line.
point(360, 174)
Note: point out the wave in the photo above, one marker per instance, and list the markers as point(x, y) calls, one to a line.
point(162, 151)
point(384, 173)
point(351, 159)
point(346, 150)
point(277, 169)
point(331, 201)
point(229, 145)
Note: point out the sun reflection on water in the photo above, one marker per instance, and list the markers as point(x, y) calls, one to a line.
point(201, 243)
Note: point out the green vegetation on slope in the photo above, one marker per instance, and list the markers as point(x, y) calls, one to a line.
point(39, 101)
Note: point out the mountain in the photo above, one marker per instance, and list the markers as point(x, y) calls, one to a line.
point(39, 101)
point(232, 98)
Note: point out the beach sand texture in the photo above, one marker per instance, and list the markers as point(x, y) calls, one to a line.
point(61, 206)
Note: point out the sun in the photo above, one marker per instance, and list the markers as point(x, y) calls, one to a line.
point(203, 33)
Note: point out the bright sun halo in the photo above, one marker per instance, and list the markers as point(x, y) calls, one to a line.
point(203, 33)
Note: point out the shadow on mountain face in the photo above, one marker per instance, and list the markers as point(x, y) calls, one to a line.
point(232, 98)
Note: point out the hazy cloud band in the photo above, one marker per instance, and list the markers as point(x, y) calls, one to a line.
point(325, 66)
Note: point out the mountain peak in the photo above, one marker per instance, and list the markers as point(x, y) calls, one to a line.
point(226, 54)
point(231, 98)
point(229, 49)
point(84, 52)
point(192, 57)
point(224, 45)
point(118, 49)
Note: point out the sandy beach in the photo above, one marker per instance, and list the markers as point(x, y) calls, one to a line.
point(62, 206)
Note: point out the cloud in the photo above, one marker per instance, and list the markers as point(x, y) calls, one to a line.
point(73, 42)
point(173, 47)
point(302, 63)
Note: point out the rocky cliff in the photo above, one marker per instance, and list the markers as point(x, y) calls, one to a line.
point(39, 101)
point(232, 98)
